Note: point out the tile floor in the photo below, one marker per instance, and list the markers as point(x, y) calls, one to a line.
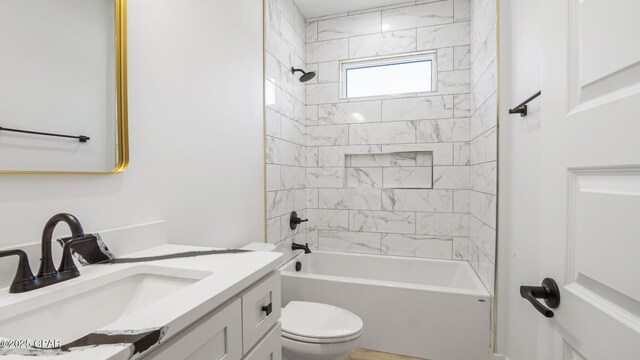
point(364, 354)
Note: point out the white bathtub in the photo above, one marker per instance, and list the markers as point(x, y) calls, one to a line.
point(431, 309)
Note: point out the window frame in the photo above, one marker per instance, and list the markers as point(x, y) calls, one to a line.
point(385, 60)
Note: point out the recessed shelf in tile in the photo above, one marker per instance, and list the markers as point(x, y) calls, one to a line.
point(393, 170)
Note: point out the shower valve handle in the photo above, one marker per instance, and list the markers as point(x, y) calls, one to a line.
point(295, 220)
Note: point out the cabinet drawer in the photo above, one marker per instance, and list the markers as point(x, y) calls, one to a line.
point(269, 348)
point(260, 309)
point(217, 336)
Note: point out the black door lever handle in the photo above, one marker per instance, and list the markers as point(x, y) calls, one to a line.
point(549, 291)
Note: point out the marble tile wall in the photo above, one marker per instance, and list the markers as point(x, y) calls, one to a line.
point(364, 215)
point(407, 170)
point(284, 119)
point(483, 142)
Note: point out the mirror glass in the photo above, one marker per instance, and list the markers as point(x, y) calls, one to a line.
point(62, 86)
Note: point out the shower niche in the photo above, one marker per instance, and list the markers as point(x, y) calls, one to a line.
point(392, 170)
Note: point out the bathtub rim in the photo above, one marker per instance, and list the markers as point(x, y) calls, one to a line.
point(479, 291)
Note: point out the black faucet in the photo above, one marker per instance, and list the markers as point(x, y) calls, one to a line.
point(46, 263)
point(48, 275)
point(304, 247)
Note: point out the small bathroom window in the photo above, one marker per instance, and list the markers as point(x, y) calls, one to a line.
point(389, 75)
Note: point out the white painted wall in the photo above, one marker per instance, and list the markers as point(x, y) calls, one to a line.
point(196, 132)
point(519, 177)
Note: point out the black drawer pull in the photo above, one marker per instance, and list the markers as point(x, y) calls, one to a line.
point(268, 309)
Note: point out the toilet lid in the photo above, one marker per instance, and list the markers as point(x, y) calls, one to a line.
point(308, 321)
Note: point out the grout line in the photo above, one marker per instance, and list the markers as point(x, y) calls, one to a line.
point(481, 192)
point(484, 72)
point(484, 162)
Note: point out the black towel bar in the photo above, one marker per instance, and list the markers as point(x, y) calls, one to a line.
point(81, 138)
point(522, 107)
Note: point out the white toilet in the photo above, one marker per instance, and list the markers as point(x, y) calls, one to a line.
point(313, 331)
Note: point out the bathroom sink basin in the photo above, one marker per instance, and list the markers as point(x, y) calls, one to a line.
point(71, 310)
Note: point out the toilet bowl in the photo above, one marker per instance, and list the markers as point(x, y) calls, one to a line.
point(313, 331)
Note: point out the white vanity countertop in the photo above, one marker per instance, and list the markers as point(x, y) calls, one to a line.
point(226, 276)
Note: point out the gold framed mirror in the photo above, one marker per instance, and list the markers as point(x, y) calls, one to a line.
point(63, 87)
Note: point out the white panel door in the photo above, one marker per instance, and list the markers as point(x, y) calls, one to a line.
point(591, 178)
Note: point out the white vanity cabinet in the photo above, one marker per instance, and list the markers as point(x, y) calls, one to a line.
point(246, 327)
point(260, 309)
point(216, 336)
point(270, 348)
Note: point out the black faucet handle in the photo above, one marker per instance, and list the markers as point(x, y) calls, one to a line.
point(295, 220)
point(68, 268)
point(24, 279)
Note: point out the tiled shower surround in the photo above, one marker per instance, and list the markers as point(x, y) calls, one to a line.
point(380, 204)
point(483, 134)
point(284, 119)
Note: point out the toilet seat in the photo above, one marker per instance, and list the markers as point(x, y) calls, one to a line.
point(316, 323)
point(318, 340)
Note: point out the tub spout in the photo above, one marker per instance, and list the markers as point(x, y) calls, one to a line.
point(304, 247)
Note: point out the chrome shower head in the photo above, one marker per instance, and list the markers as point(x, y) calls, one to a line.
point(306, 76)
